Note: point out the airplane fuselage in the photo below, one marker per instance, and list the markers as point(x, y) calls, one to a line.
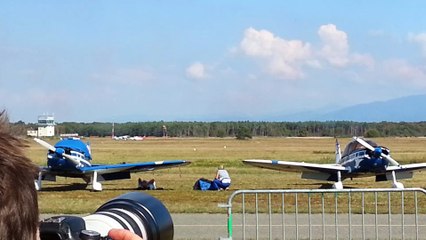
point(361, 162)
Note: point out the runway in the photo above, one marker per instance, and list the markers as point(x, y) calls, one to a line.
point(200, 226)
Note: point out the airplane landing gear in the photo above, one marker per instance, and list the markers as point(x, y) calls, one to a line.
point(38, 182)
point(396, 184)
point(338, 184)
point(37, 185)
point(96, 186)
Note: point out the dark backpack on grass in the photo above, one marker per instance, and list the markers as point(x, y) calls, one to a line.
point(202, 184)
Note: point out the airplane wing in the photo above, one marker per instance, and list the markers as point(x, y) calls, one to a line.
point(47, 174)
point(133, 167)
point(325, 172)
point(329, 171)
point(296, 166)
point(110, 172)
point(414, 167)
point(405, 171)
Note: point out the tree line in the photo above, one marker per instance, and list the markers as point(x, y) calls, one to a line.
point(240, 129)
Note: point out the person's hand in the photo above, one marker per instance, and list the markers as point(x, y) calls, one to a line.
point(122, 234)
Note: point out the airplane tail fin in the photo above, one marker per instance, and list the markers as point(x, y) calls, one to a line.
point(338, 151)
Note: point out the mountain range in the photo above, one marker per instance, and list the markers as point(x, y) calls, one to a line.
point(404, 109)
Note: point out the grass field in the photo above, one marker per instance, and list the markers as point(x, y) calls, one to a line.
point(206, 154)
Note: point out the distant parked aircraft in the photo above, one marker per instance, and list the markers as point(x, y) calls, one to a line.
point(361, 158)
point(137, 138)
point(124, 137)
point(127, 137)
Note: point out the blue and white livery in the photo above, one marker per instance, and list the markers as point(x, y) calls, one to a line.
point(361, 158)
point(71, 157)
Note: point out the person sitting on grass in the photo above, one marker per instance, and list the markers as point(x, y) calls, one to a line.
point(222, 179)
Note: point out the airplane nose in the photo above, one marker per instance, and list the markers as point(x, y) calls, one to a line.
point(60, 151)
point(377, 152)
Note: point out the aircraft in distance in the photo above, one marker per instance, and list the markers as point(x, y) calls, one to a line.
point(137, 138)
point(127, 137)
point(124, 137)
point(361, 158)
point(71, 157)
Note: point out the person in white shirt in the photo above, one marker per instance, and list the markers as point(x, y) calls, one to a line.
point(222, 179)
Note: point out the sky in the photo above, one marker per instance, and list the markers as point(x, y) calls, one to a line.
point(119, 61)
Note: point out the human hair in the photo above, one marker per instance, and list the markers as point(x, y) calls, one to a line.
point(19, 216)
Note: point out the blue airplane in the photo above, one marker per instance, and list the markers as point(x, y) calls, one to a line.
point(71, 157)
point(361, 158)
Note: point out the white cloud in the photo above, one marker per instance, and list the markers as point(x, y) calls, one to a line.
point(419, 39)
point(401, 69)
point(335, 45)
point(288, 59)
point(336, 50)
point(196, 71)
point(283, 58)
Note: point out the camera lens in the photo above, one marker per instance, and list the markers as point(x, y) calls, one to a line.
point(138, 212)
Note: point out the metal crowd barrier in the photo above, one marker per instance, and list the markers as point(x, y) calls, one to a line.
point(327, 214)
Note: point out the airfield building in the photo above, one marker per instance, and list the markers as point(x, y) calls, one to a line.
point(46, 127)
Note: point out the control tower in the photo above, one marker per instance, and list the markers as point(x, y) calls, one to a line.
point(46, 126)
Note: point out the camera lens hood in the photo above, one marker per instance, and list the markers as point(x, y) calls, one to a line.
point(150, 212)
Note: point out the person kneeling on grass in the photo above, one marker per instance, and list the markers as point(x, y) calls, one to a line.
point(222, 179)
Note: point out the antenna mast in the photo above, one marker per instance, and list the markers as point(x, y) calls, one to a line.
point(112, 132)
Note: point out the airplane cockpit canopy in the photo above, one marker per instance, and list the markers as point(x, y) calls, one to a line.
point(355, 146)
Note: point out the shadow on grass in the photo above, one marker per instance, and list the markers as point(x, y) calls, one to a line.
point(69, 187)
point(52, 187)
point(136, 189)
point(330, 186)
point(77, 187)
point(320, 185)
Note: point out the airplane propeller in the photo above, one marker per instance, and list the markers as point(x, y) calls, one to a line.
point(368, 146)
point(59, 151)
